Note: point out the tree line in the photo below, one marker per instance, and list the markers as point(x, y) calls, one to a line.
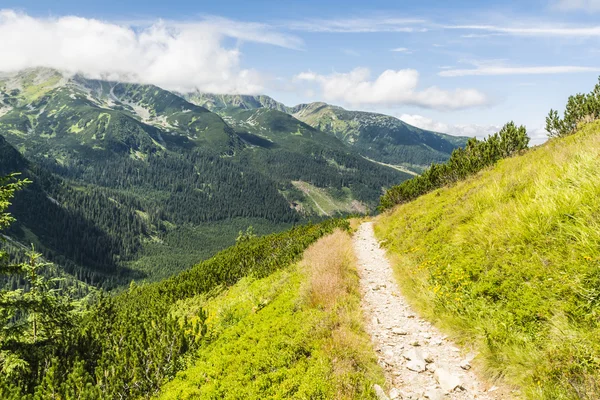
point(125, 345)
point(582, 107)
point(463, 162)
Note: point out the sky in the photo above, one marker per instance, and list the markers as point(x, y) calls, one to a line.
point(463, 67)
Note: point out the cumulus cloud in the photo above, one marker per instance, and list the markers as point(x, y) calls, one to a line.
point(470, 130)
point(585, 5)
point(391, 88)
point(537, 135)
point(177, 56)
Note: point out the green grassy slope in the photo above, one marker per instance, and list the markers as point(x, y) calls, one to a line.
point(288, 150)
point(288, 335)
point(509, 262)
point(217, 102)
point(380, 137)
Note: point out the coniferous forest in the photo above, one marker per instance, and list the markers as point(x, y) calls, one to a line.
point(122, 346)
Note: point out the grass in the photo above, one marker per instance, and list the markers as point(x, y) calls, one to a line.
point(294, 334)
point(322, 202)
point(509, 263)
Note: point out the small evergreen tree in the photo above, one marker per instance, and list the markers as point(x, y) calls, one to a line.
point(32, 318)
point(580, 108)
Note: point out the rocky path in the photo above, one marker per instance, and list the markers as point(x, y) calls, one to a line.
point(420, 363)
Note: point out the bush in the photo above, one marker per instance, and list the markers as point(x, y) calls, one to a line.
point(462, 163)
point(580, 108)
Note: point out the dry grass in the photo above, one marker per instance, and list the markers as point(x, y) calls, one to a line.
point(332, 284)
point(326, 263)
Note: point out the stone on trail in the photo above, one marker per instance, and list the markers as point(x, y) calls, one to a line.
point(398, 331)
point(380, 393)
point(416, 362)
point(428, 358)
point(447, 380)
point(434, 394)
point(395, 394)
point(389, 353)
point(465, 364)
point(416, 366)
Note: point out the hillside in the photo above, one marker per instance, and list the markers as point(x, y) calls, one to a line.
point(250, 308)
point(378, 137)
point(166, 182)
point(327, 176)
point(297, 333)
point(507, 261)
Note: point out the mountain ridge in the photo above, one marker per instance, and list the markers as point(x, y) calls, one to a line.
point(172, 171)
point(380, 137)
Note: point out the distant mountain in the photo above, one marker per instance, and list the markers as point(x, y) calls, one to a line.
point(159, 176)
point(379, 137)
point(218, 102)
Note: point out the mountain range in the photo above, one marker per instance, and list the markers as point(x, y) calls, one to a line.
point(126, 175)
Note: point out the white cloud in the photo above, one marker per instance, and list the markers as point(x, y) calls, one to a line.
point(537, 135)
point(553, 30)
point(391, 88)
point(585, 5)
point(178, 56)
point(358, 25)
point(470, 130)
point(402, 50)
point(487, 70)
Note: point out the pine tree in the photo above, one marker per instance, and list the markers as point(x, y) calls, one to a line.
point(32, 318)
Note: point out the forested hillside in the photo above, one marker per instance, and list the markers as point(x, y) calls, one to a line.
point(122, 346)
point(376, 136)
point(135, 182)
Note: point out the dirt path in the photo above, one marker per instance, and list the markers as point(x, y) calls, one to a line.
point(420, 363)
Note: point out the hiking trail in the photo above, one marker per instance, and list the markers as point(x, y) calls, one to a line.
point(419, 361)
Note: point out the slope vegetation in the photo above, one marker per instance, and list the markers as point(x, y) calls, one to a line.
point(294, 334)
point(508, 261)
point(128, 345)
point(380, 137)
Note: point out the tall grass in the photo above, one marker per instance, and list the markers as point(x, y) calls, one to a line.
point(509, 261)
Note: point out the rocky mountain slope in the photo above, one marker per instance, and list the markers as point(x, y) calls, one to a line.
point(378, 137)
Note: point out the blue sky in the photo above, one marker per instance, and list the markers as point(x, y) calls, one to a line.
point(463, 67)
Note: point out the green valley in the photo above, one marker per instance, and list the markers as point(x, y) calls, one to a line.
point(153, 175)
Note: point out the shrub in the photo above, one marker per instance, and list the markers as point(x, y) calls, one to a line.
point(462, 163)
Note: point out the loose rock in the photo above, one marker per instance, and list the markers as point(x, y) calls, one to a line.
point(447, 381)
point(380, 393)
point(395, 394)
point(414, 355)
